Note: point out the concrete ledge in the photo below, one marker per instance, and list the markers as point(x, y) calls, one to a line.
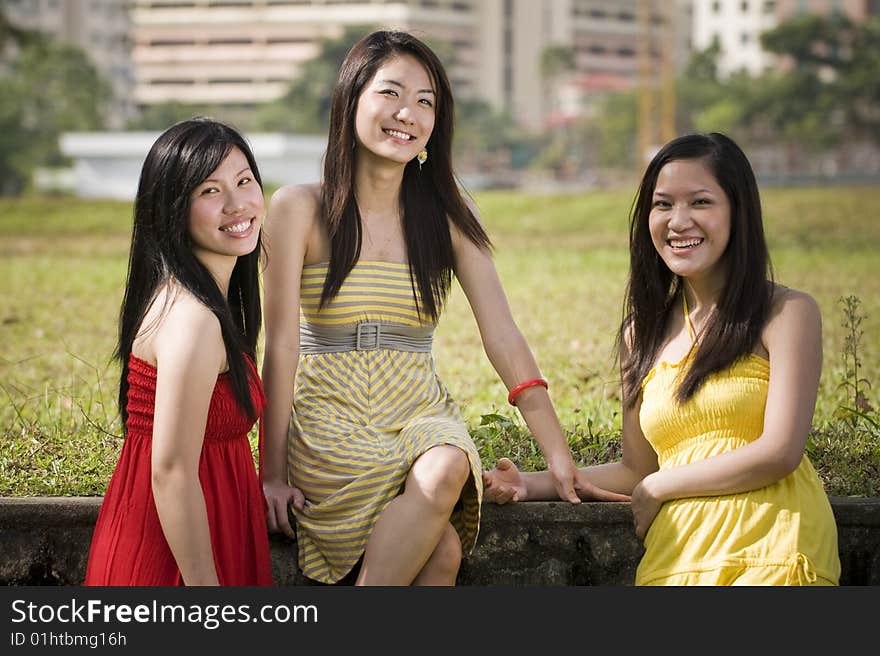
point(45, 541)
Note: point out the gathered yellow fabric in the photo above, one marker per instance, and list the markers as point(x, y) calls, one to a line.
point(362, 417)
point(781, 534)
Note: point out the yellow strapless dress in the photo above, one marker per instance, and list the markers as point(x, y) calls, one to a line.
point(781, 534)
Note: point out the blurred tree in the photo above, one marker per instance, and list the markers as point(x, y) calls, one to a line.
point(699, 89)
point(485, 137)
point(556, 60)
point(835, 63)
point(860, 80)
point(560, 150)
point(47, 88)
point(305, 108)
point(826, 93)
point(163, 115)
point(618, 128)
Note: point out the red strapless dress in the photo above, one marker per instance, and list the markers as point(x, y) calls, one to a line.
point(128, 546)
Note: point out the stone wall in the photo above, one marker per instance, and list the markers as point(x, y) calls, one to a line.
point(45, 541)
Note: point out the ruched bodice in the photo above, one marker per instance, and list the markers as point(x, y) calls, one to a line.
point(129, 546)
point(226, 421)
point(730, 416)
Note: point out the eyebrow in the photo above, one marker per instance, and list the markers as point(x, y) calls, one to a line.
point(695, 191)
point(398, 84)
point(246, 168)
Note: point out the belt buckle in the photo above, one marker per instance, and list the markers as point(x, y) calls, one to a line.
point(365, 332)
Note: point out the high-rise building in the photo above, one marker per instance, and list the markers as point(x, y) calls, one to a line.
point(242, 53)
point(737, 26)
point(100, 28)
point(247, 52)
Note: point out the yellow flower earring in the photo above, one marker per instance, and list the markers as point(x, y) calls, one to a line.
point(422, 157)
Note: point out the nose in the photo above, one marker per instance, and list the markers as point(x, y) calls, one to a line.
point(234, 204)
point(403, 114)
point(679, 216)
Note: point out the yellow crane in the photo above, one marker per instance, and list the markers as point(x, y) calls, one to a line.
point(657, 45)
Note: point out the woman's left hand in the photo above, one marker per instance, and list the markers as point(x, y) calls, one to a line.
point(645, 506)
point(564, 477)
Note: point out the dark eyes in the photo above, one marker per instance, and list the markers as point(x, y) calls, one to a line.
point(392, 92)
point(696, 201)
point(213, 189)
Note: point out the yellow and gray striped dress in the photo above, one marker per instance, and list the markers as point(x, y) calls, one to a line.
point(362, 416)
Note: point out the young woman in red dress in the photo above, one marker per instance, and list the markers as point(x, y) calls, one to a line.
point(184, 505)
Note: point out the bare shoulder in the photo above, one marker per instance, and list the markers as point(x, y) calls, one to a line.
point(793, 305)
point(794, 319)
point(292, 226)
point(301, 198)
point(626, 341)
point(471, 205)
point(459, 239)
point(293, 207)
point(189, 333)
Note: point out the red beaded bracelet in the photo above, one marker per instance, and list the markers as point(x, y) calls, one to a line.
point(511, 397)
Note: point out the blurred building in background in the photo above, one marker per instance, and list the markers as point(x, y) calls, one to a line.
point(247, 52)
point(736, 25)
point(242, 53)
point(550, 65)
point(99, 27)
point(108, 164)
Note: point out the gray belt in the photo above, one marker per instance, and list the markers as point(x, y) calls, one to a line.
point(366, 336)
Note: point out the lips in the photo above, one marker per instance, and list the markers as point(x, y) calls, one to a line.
point(238, 228)
point(398, 134)
point(684, 243)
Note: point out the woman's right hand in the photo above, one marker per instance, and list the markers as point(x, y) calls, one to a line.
point(589, 491)
point(504, 483)
point(279, 495)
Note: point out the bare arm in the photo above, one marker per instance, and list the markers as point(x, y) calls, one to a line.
point(189, 354)
point(291, 213)
point(793, 338)
point(616, 479)
point(513, 360)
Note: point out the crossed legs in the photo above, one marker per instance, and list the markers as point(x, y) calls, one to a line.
point(413, 541)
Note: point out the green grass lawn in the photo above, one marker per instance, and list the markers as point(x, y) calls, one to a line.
point(562, 259)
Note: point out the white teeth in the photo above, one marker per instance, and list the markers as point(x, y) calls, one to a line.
point(685, 243)
point(237, 227)
point(399, 135)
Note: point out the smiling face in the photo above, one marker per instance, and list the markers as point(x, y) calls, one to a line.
point(395, 111)
point(226, 211)
point(690, 221)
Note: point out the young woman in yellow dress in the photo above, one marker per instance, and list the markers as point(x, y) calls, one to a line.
point(378, 464)
point(720, 370)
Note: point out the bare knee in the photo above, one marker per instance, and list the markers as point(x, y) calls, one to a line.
point(439, 475)
point(446, 557)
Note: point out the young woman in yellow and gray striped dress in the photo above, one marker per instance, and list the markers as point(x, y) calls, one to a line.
point(375, 457)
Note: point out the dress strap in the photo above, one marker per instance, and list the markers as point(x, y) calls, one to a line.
point(687, 318)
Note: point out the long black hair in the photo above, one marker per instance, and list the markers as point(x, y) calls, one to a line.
point(744, 305)
point(161, 249)
point(430, 198)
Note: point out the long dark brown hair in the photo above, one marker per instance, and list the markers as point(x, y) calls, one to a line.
point(430, 198)
point(735, 326)
point(161, 249)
